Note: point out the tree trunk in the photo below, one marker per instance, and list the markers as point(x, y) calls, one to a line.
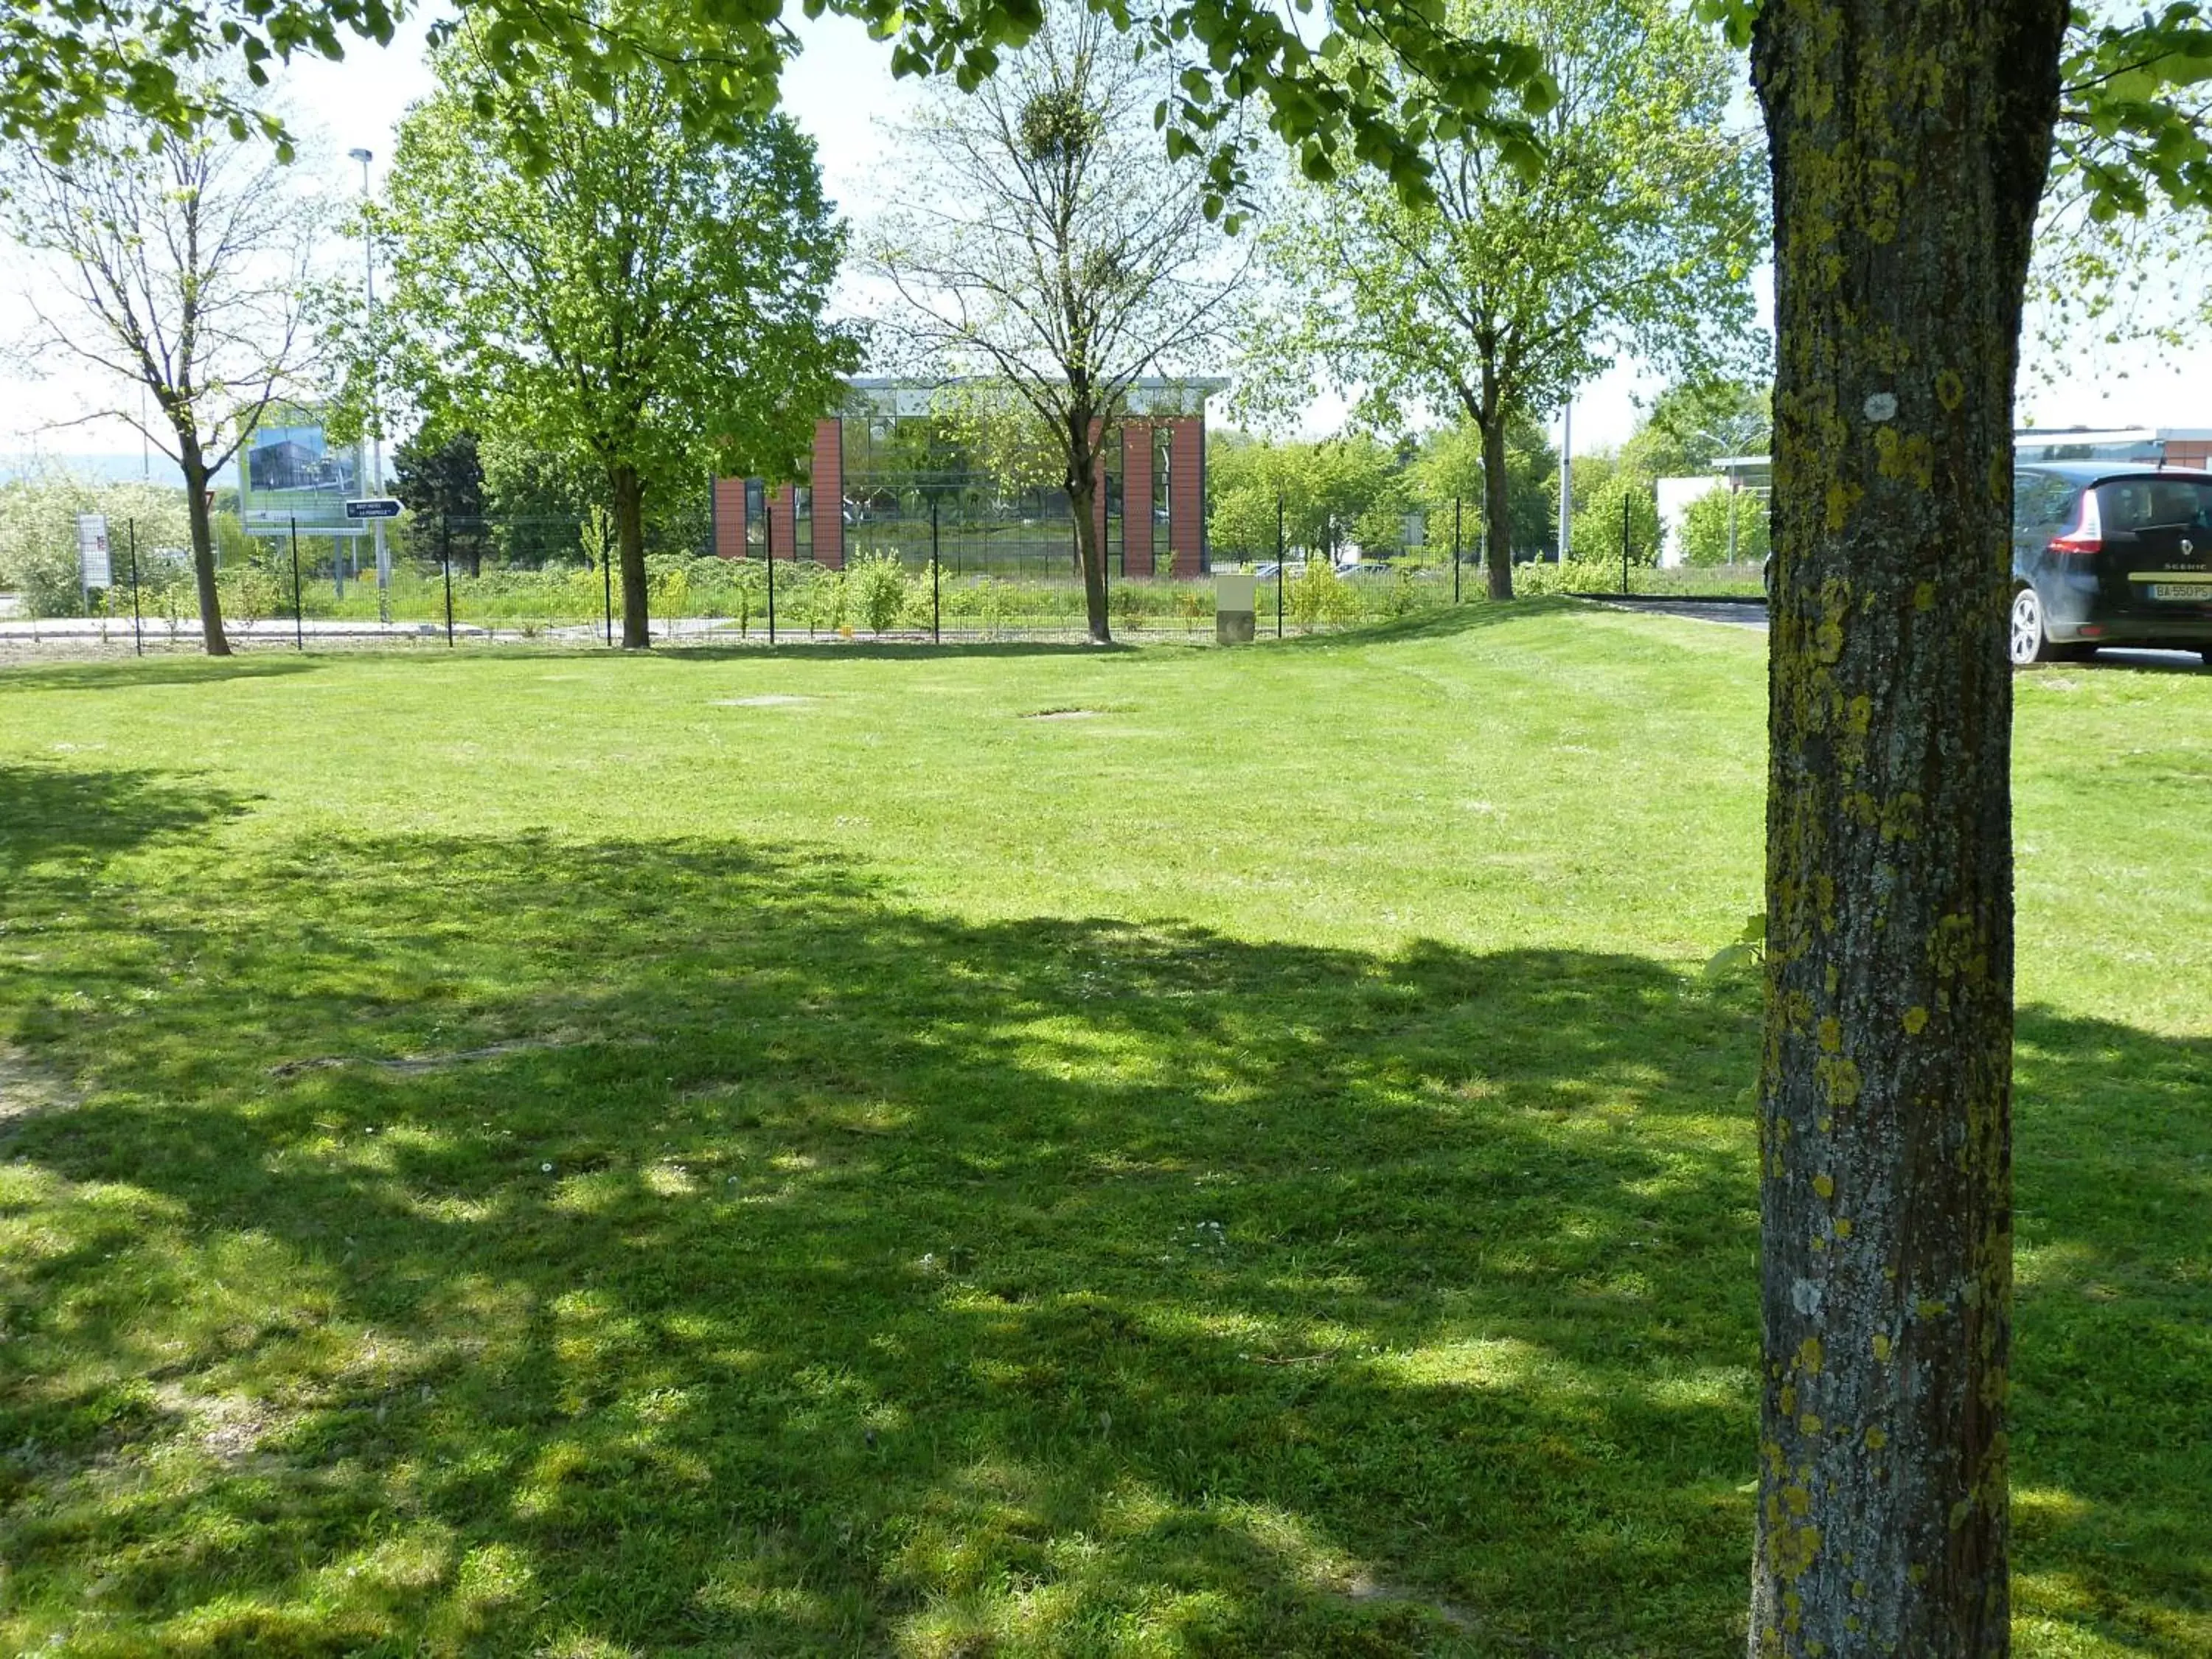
point(1090, 554)
point(1497, 509)
point(629, 537)
point(1909, 143)
point(1084, 437)
point(201, 525)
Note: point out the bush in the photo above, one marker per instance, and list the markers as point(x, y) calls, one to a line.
point(37, 536)
point(1576, 576)
point(1705, 529)
point(248, 595)
point(1319, 596)
point(879, 591)
point(1596, 526)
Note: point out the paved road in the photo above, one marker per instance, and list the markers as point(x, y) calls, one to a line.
point(1750, 614)
point(1753, 615)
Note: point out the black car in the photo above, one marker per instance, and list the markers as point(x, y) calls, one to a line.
point(2110, 553)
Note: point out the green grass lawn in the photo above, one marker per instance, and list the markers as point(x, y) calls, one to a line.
point(757, 1154)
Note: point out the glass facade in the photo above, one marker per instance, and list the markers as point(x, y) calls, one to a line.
point(913, 480)
point(952, 466)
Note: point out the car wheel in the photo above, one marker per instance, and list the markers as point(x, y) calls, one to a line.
point(2205, 652)
point(2026, 640)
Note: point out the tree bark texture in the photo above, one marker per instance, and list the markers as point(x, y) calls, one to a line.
point(1909, 143)
point(1496, 510)
point(1085, 438)
point(201, 524)
point(629, 539)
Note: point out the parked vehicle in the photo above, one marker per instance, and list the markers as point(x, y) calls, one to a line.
point(2110, 553)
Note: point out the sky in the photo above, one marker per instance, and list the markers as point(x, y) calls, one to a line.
point(841, 90)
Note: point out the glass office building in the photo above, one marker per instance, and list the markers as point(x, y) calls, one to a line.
point(909, 468)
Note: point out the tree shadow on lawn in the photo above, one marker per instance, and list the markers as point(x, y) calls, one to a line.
point(677, 650)
point(647, 1247)
point(133, 673)
point(58, 812)
point(1472, 614)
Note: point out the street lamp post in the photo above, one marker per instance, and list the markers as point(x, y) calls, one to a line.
point(1566, 473)
point(375, 415)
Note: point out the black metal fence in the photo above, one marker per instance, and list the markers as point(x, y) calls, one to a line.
point(455, 582)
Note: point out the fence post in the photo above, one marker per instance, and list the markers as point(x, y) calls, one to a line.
point(1282, 552)
point(446, 558)
point(299, 612)
point(1455, 555)
point(607, 587)
point(1624, 541)
point(936, 615)
point(137, 637)
point(768, 553)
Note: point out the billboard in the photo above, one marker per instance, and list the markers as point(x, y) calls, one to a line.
point(290, 468)
point(92, 566)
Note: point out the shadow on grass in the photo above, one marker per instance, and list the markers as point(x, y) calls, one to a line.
point(132, 672)
point(633, 1247)
point(2142, 660)
point(56, 813)
point(679, 650)
point(1474, 615)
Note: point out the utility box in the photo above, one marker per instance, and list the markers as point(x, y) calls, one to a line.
point(1232, 608)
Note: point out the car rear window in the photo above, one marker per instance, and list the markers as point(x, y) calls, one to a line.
point(2041, 498)
point(2155, 504)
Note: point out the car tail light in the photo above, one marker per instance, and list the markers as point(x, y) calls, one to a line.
point(2087, 538)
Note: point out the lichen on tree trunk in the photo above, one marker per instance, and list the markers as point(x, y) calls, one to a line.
point(1909, 145)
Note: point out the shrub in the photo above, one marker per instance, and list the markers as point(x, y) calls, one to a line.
point(1705, 529)
point(1320, 596)
point(248, 594)
point(878, 589)
point(1576, 576)
point(1597, 523)
point(38, 535)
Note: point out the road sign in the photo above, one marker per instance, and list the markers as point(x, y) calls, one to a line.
point(94, 569)
point(375, 506)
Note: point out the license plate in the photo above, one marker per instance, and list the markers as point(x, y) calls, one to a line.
point(2187, 593)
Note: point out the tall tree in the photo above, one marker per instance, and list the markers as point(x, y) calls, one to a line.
point(1052, 251)
point(441, 480)
point(1490, 299)
point(185, 264)
point(580, 267)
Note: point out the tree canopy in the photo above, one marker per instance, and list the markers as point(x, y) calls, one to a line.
point(628, 290)
point(187, 264)
point(1046, 249)
point(1489, 300)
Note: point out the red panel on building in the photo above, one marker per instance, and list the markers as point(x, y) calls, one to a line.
point(783, 521)
point(829, 500)
point(1136, 498)
point(730, 517)
point(1187, 494)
